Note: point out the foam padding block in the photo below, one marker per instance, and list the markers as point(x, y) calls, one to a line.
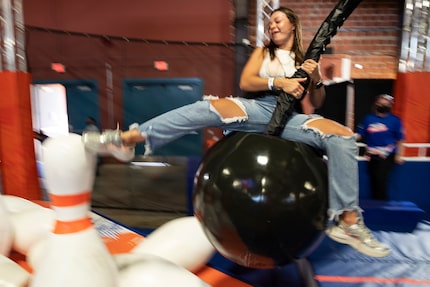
point(402, 216)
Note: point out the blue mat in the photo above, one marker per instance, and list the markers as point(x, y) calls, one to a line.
point(408, 265)
point(338, 265)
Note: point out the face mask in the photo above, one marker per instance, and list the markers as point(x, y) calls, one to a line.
point(383, 109)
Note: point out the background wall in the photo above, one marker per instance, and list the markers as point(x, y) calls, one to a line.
point(185, 20)
point(371, 35)
point(110, 42)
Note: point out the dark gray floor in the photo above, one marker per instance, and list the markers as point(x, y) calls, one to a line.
point(141, 196)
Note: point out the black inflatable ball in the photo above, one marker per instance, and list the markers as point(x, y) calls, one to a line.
point(261, 200)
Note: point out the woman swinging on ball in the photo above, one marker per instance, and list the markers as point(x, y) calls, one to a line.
point(268, 69)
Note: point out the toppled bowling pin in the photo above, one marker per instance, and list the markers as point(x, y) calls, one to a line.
point(181, 241)
point(11, 274)
point(138, 270)
point(6, 230)
point(31, 226)
point(36, 252)
point(74, 255)
point(16, 204)
point(30, 222)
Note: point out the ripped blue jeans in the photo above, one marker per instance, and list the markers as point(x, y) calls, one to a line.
point(340, 150)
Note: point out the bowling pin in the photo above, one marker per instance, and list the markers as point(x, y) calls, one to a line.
point(16, 204)
point(36, 253)
point(6, 230)
point(138, 270)
point(30, 222)
point(181, 241)
point(31, 226)
point(11, 274)
point(74, 255)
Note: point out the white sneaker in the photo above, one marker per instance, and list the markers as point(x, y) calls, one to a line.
point(359, 237)
point(108, 143)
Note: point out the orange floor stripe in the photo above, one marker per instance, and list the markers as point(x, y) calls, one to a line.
point(347, 279)
point(123, 242)
point(217, 278)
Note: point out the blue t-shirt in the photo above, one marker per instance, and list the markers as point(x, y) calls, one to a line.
point(381, 133)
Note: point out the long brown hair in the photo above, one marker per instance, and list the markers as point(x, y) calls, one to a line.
point(298, 43)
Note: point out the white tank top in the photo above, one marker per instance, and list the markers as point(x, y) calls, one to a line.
point(282, 65)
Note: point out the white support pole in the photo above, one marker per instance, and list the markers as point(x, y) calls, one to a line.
point(264, 8)
point(415, 50)
point(8, 37)
point(12, 36)
point(21, 59)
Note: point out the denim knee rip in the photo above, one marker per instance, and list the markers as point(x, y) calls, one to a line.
point(229, 120)
point(323, 135)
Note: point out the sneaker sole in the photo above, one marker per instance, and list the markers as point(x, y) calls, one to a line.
point(124, 156)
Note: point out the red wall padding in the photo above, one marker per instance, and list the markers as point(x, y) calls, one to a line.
point(412, 105)
point(18, 160)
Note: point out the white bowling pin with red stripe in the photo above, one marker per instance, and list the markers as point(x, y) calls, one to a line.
point(6, 231)
point(181, 241)
point(16, 204)
point(147, 270)
point(74, 255)
point(12, 274)
point(31, 226)
point(31, 222)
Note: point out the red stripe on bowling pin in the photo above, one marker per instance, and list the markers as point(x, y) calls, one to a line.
point(71, 209)
point(70, 200)
point(67, 227)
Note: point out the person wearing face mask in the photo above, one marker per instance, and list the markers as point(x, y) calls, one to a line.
point(383, 133)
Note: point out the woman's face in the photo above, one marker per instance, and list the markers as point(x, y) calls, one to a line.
point(281, 31)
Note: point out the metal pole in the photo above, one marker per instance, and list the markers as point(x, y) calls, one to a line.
point(12, 36)
point(8, 36)
point(21, 59)
point(109, 94)
point(264, 9)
